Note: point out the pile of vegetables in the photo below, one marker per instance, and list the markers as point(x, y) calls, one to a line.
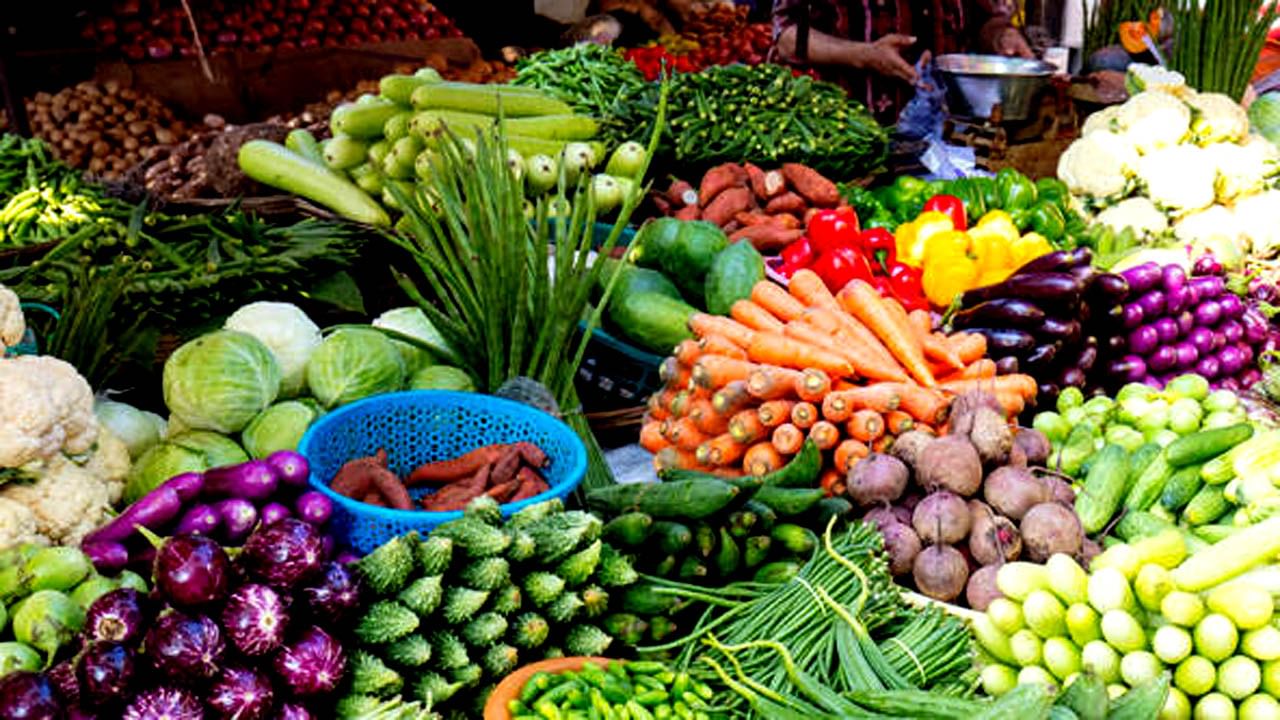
point(44, 595)
point(103, 128)
point(161, 33)
point(591, 78)
point(1055, 318)
point(1144, 610)
point(718, 35)
point(640, 688)
point(451, 614)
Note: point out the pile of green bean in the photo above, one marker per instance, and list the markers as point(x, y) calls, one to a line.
point(593, 80)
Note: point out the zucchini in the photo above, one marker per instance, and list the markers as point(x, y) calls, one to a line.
point(796, 539)
point(1146, 488)
point(756, 550)
point(672, 537)
point(1208, 504)
point(486, 100)
point(1103, 488)
point(729, 556)
point(301, 141)
point(1233, 555)
point(681, 499)
point(1182, 486)
point(629, 529)
point(801, 471)
point(343, 152)
point(779, 571)
point(1206, 444)
point(363, 120)
point(275, 165)
point(788, 501)
point(399, 88)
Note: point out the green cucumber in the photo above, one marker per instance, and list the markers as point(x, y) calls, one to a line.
point(274, 165)
point(1206, 444)
point(653, 320)
point(486, 100)
point(1182, 486)
point(1137, 524)
point(801, 471)
point(1208, 504)
point(681, 499)
point(301, 141)
point(1103, 488)
point(672, 537)
point(796, 539)
point(363, 120)
point(1213, 533)
point(789, 501)
point(734, 271)
point(399, 88)
point(629, 529)
point(1139, 460)
point(729, 556)
point(1145, 490)
point(343, 152)
point(397, 127)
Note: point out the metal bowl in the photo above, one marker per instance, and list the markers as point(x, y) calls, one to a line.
point(976, 83)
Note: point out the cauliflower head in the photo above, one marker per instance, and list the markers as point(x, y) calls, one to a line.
point(1101, 121)
point(47, 410)
point(18, 524)
point(1180, 178)
point(1217, 118)
point(1213, 224)
point(1154, 120)
point(1138, 213)
point(12, 325)
point(68, 499)
point(1097, 165)
point(1256, 218)
point(1240, 170)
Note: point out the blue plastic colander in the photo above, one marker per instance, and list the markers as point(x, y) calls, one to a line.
point(421, 426)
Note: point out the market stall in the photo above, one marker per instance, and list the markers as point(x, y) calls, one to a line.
point(647, 383)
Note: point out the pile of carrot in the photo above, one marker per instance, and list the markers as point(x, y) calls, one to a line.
point(849, 370)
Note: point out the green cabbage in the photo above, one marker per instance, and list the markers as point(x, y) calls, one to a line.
point(190, 451)
point(220, 381)
point(1264, 116)
point(441, 377)
point(218, 450)
point(413, 322)
point(353, 363)
point(138, 429)
point(287, 332)
point(279, 427)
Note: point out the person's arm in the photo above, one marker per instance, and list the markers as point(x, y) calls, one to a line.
point(884, 56)
point(995, 31)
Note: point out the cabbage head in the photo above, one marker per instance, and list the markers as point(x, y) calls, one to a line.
point(218, 450)
point(279, 427)
point(220, 381)
point(190, 451)
point(138, 429)
point(287, 331)
point(353, 363)
point(413, 322)
point(441, 377)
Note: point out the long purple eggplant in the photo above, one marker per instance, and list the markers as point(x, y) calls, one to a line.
point(1041, 357)
point(1007, 365)
point(1057, 329)
point(1006, 341)
point(1001, 312)
point(1107, 288)
point(1060, 289)
point(1057, 261)
point(151, 511)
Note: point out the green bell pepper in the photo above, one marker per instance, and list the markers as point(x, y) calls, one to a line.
point(974, 204)
point(863, 201)
point(905, 192)
point(1048, 220)
point(1015, 189)
point(985, 188)
point(1053, 190)
point(881, 218)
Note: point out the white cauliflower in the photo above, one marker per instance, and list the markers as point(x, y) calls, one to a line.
point(68, 500)
point(1264, 149)
point(1179, 178)
point(1138, 213)
point(18, 524)
point(12, 324)
point(1217, 118)
point(1258, 219)
point(48, 408)
point(1240, 171)
point(1214, 224)
point(1154, 120)
point(1101, 121)
point(1097, 165)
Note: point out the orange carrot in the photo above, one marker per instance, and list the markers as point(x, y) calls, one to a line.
point(705, 417)
point(721, 450)
point(841, 385)
point(651, 438)
point(769, 382)
point(969, 346)
point(868, 355)
point(673, 458)
point(716, 371)
point(881, 397)
point(687, 352)
point(755, 317)
point(761, 459)
point(679, 403)
point(778, 349)
point(720, 345)
point(731, 398)
point(787, 439)
point(813, 386)
point(848, 452)
point(976, 370)
point(703, 325)
point(804, 415)
point(810, 289)
point(863, 302)
point(775, 412)
point(865, 425)
point(836, 407)
point(833, 483)
point(897, 422)
point(935, 345)
point(673, 372)
point(658, 409)
point(923, 404)
point(685, 435)
point(770, 296)
point(745, 427)
point(1019, 384)
point(806, 333)
point(1012, 402)
point(882, 444)
point(824, 434)
point(921, 323)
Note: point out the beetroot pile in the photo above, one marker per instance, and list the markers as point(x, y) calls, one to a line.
point(264, 25)
point(251, 638)
point(952, 509)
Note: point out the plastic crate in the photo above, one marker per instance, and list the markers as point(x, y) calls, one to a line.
point(421, 426)
point(615, 374)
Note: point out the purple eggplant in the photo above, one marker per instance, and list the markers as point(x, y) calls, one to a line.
point(1162, 358)
point(1001, 312)
point(1250, 377)
point(335, 595)
point(1116, 344)
point(1153, 381)
point(152, 511)
point(119, 616)
point(1229, 383)
point(1056, 261)
point(314, 507)
point(1041, 357)
point(1172, 277)
point(1144, 340)
point(1207, 264)
point(291, 468)
point(1055, 329)
point(65, 682)
point(1255, 326)
point(255, 619)
point(1208, 286)
point(1129, 368)
point(253, 480)
point(1208, 313)
point(311, 665)
point(1084, 274)
point(1264, 291)
point(1186, 354)
point(1132, 315)
point(1056, 288)
point(1166, 329)
point(1232, 360)
point(30, 696)
point(188, 485)
point(1005, 341)
point(191, 570)
point(273, 512)
point(1186, 321)
point(239, 516)
point(294, 711)
point(1202, 338)
point(1142, 278)
point(1107, 289)
point(169, 703)
point(1087, 357)
point(198, 520)
point(1219, 340)
point(285, 553)
point(1178, 300)
point(108, 558)
point(1247, 351)
point(1047, 393)
point(1208, 367)
point(105, 671)
point(1232, 306)
point(241, 694)
point(1152, 303)
point(188, 648)
point(1072, 377)
point(1232, 331)
point(1007, 365)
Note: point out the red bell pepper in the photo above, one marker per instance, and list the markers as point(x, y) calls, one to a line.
point(840, 266)
point(880, 246)
point(798, 254)
point(832, 229)
point(905, 281)
point(952, 207)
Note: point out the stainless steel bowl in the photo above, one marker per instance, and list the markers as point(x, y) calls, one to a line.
point(976, 83)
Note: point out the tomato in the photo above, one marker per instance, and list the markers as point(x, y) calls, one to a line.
point(952, 207)
point(832, 229)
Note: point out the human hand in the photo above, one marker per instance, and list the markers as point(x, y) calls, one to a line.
point(1010, 42)
point(884, 57)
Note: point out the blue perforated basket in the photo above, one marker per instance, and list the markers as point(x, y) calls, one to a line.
point(421, 426)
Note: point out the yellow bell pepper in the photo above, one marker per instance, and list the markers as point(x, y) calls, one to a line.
point(911, 237)
point(945, 244)
point(946, 276)
point(1029, 247)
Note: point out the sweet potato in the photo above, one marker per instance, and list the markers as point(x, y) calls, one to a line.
point(811, 184)
point(455, 496)
point(531, 483)
point(727, 204)
point(681, 194)
point(755, 176)
point(754, 217)
point(767, 238)
point(503, 492)
point(786, 221)
point(373, 498)
point(688, 213)
point(718, 179)
point(775, 183)
point(459, 468)
point(787, 202)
